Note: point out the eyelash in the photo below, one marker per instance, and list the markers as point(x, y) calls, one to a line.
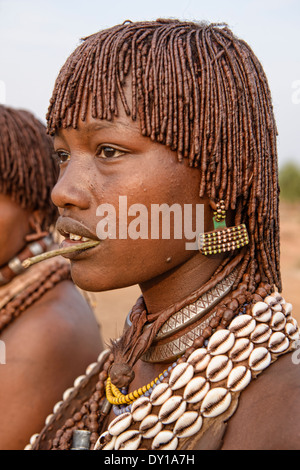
point(102, 148)
point(58, 157)
point(62, 157)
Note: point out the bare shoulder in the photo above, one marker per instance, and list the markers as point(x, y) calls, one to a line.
point(47, 347)
point(268, 415)
point(66, 318)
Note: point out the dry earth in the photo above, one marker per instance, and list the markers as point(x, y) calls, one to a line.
point(112, 307)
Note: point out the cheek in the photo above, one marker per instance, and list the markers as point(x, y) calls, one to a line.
point(141, 247)
point(126, 258)
point(14, 227)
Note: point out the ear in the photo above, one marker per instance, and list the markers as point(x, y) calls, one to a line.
point(36, 221)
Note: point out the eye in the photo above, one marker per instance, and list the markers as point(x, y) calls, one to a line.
point(61, 156)
point(107, 152)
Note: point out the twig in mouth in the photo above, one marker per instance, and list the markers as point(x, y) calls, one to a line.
point(60, 251)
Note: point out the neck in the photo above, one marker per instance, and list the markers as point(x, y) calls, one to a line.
point(178, 283)
point(14, 267)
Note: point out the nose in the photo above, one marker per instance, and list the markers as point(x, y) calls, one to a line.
point(71, 188)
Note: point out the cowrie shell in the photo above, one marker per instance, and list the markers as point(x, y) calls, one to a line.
point(243, 325)
point(241, 350)
point(57, 406)
point(277, 296)
point(160, 394)
point(79, 380)
point(106, 438)
point(238, 378)
point(259, 359)
point(277, 307)
point(218, 368)
point(278, 342)
point(261, 312)
point(260, 307)
point(119, 424)
point(270, 300)
point(165, 440)
point(293, 321)
point(141, 408)
point(287, 308)
point(33, 439)
point(196, 390)
point(128, 440)
point(68, 393)
point(216, 402)
point(48, 419)
point(181, 375)
point(278, 321)
point(220, 342)
point(188, 424)
point(261, 333)
point(91, 367)
point(292, 331)
point(150, 426)
point(172, 409)
point(199, 359)
point(102, 354)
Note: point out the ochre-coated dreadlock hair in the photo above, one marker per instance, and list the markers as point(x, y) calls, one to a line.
point(201, 91)
point(28, 171)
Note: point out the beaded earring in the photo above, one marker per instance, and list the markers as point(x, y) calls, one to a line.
point(222, 238)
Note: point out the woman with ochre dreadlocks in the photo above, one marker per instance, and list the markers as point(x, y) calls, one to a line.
point(48, 332)
point(180, 114)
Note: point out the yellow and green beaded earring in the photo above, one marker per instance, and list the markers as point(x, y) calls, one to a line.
point(222, 238)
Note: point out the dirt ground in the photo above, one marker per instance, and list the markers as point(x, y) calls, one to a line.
point(112, 307)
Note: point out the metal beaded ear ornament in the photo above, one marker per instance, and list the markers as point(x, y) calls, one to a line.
point(222, 238)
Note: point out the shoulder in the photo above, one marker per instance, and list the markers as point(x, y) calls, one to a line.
point(47, 347)
point(62, 324)
point(268, 415)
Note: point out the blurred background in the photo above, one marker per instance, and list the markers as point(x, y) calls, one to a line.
point(36, 37)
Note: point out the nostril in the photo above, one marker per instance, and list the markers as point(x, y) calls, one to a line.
point(66, 194)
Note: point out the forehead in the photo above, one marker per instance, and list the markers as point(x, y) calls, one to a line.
point(121, 121)
point(119, 127)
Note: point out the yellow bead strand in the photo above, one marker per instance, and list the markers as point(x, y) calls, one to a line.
point(115, 397)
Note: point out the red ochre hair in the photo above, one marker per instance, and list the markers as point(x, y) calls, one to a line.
point(201, 91)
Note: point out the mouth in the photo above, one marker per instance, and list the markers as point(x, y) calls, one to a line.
point(74, 232)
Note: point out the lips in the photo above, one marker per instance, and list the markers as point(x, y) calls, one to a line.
point(73, 230)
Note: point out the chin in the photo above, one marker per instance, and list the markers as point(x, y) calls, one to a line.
point(92, 281)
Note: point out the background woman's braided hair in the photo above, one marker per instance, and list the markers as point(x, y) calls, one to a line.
point(28, 171)
point(200, 91)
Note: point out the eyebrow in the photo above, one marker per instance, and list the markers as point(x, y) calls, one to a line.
point(95, 126)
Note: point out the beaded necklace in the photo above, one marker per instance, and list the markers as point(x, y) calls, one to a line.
point(206, 384)
point(14, 267)
point(262, 331)
point(118, 397)
point(184, 317)
point(27, 287)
